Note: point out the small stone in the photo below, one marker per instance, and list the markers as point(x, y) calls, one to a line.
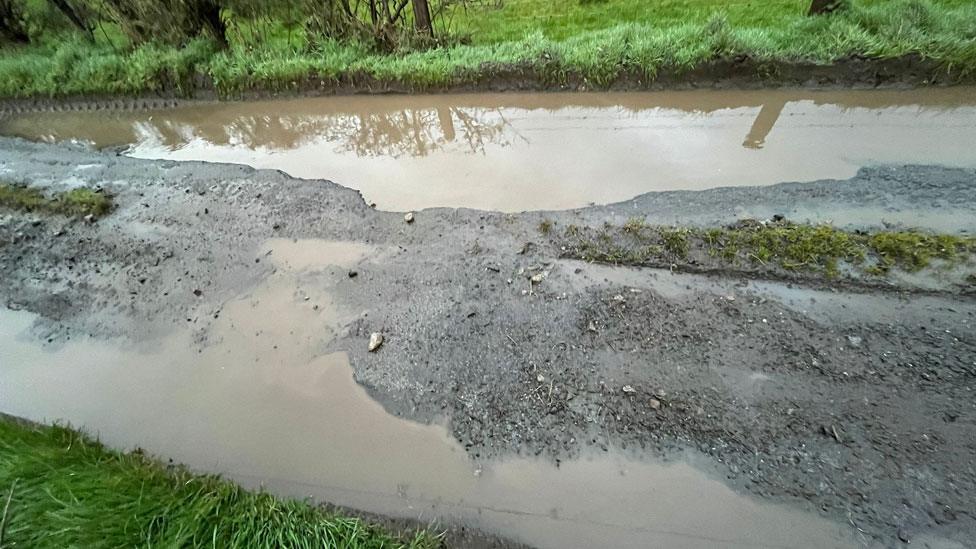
point(536, 278)
point(855, 341)
point(618, 298)
point(904, 536)
point(655, 404)
point(89, 218)
point(198, 292)
point(353, 274)
point(629, 390)
point(375, 340)
point(591, 327)
point(660, 393)
point(540, 378)
point(409, 217)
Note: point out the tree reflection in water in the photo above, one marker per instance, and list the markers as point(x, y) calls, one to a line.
point(395, 133)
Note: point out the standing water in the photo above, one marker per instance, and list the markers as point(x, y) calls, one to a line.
point(262, 399)
point(515, 152)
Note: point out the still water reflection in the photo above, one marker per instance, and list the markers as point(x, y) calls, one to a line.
point(544, 151)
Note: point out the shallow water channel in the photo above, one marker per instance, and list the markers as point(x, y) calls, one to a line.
point(262, 398)
point(516, 152)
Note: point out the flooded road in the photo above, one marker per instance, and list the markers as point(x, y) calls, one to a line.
point(263, 398)
point(514, 152)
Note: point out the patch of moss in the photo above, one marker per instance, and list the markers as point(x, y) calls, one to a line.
point(913, 251)
point(76, 202)
point(818, 249)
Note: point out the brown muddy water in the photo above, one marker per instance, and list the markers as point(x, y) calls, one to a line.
point(262, 398)
point(514, 152)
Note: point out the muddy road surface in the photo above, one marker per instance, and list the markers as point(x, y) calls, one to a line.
point(212, 314)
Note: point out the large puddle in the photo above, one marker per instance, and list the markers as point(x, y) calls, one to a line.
point(265, 401)
point(516, 152)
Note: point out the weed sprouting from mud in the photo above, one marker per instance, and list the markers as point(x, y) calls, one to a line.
point(820, 249)
point(545, 226)
point(76, 202)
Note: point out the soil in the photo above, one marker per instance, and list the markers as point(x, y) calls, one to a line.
point(857, 403)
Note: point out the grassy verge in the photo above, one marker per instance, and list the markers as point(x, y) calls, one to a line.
point(65, 490)
point(595, 43)
point(78, 202)
point(817, 249)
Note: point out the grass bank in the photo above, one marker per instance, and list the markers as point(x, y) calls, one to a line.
point(590, 44)
point(61, 489)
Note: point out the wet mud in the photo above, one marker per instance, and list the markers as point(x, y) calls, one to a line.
point(655, 407)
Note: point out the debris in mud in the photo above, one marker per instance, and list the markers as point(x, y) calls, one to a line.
point(375, 341)
point(352, 274)
point(408, 217)
point(629, 389)
point(198, 292)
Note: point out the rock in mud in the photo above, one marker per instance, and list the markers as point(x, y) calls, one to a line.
point(375, 341)
point(655, 404)
point(629, 390)
point(409, 217)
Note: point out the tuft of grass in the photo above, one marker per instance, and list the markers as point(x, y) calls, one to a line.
point(66, 490)
point(545, 226)
point(676, 242)
point(634, 226)
point(77, 202)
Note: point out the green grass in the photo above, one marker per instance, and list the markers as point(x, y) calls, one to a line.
point(819, 249)
point(76, 202)
point(67, 491)
point(598, 41)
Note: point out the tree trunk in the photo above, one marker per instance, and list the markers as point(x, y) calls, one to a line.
point(421, 18)
point(11, 26)
point(818, 7)
point(75, 17)
point(210, 16)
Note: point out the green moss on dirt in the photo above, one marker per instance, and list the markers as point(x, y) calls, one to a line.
point(66, 490)
point(820, 249)
point(75, 203)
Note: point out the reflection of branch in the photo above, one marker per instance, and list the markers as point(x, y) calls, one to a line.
point(413, 132)
point(763, 124)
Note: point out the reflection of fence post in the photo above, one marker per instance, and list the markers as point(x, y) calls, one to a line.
point(447, 123)
point(763, 124)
